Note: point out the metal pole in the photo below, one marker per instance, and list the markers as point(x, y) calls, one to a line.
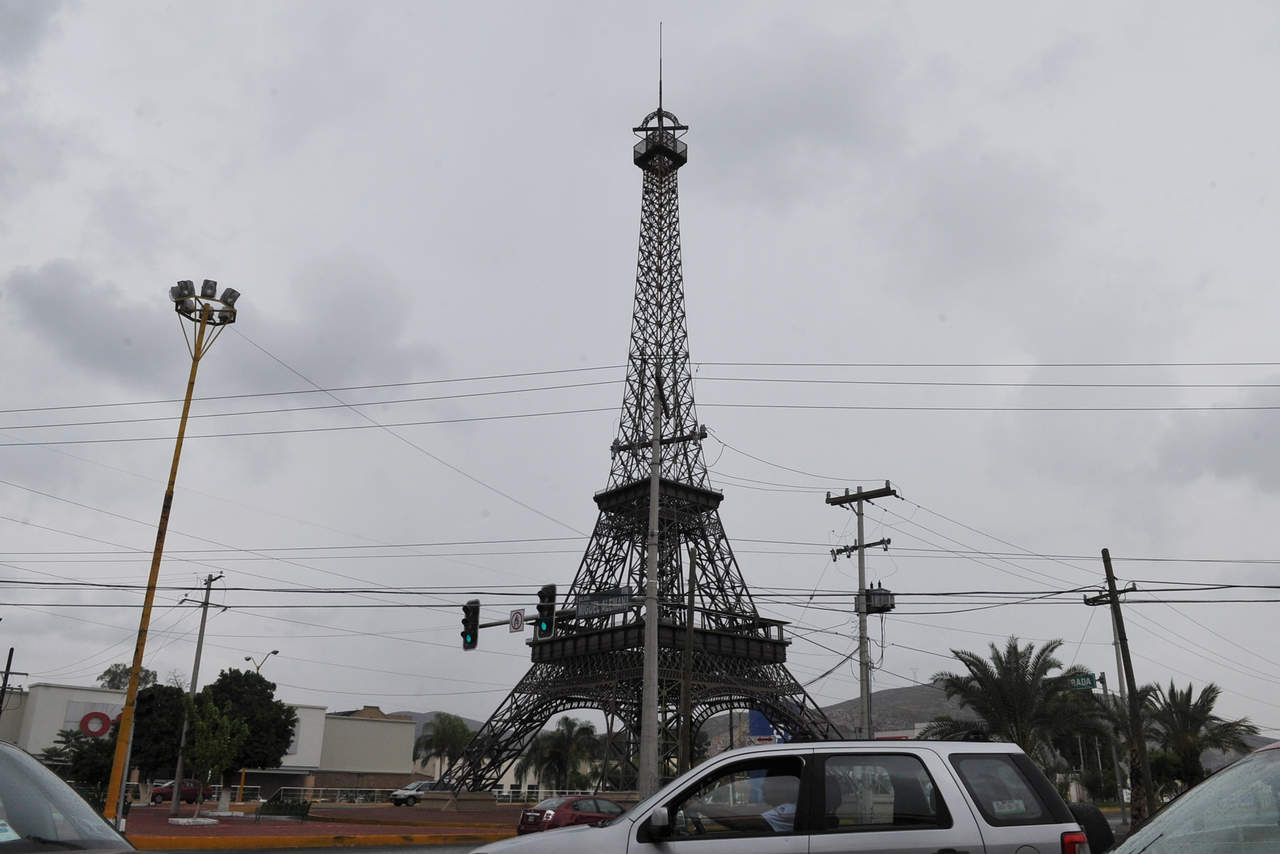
point(647, 783)
point(864, 662)
point(1115, 757)
point(120, 761)
point(191, 691)
point(1120, 671)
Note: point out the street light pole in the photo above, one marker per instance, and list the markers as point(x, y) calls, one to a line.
point(257, 668)
point(203, 311)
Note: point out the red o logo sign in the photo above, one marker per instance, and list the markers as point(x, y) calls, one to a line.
point(95, 724)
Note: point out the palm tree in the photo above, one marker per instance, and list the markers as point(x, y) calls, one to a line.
point(1014, 697)
point(1185, 727)
point(557, 756)
point(444, 737)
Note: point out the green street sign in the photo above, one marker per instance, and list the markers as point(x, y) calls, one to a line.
point(1084, 682)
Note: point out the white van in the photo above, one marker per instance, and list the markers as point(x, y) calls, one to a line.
point(888, 797)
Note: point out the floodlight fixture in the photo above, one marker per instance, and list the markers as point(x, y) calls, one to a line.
point(207, 307)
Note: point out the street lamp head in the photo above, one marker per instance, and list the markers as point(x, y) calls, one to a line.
point(229, 297)
point(275, 652)
point(248, 658)
point(209, 289)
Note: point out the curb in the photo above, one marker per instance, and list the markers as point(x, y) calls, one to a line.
point(205, 843)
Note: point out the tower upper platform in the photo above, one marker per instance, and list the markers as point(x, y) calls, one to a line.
point(660, 148)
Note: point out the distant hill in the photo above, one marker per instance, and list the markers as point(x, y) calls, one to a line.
point(421, 718)
point(895, 709)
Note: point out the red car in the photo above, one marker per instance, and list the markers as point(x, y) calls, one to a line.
point(564, 811)
point(191, 790)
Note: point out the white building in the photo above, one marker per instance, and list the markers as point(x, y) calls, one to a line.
point(364, 749)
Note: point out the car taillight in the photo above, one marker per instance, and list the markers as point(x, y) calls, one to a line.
point(1075, 842)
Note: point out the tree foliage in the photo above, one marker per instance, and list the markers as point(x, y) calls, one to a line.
point(219, 736)
point(249, 698)
point(157, 726)
point(560, 756)
point(1015, 697)
point(116, 677)
point(446, 736)
point(1185, 726)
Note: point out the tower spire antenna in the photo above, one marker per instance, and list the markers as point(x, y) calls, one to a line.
point(659, 71)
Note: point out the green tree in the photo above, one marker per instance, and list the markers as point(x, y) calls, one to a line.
point(250, 698)
point(1185, 726)
point(157, 726)
point(446, 736)
point(218, 738)
point(560, 755)
point(1015, 698)
point(116, 677)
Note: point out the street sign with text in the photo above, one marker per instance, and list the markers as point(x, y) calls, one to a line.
point(1084, 682)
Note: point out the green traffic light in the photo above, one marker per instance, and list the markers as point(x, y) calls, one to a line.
point(542, 626)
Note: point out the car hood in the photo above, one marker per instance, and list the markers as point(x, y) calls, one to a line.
point(577, 837)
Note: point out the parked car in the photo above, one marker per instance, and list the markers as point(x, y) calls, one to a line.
point(1235, 810)
point(890, 797)
point(39, 812)
point(191, 790)
point(410, 793)
point(564, 811)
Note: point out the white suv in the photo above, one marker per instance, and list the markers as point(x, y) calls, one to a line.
point(889, 797)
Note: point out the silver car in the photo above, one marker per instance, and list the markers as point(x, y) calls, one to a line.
point(888, 797)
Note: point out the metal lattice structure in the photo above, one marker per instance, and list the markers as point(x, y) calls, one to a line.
point(735, 658)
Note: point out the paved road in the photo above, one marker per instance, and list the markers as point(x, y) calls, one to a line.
point(399, 849)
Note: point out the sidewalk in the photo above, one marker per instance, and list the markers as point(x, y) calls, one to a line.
point(148, 828)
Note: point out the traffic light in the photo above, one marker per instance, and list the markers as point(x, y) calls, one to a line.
point(470, 624)
point(546, 625)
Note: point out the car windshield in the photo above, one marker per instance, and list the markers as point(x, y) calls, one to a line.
point(39, 812)
point(550, 803)
point(1235, 810)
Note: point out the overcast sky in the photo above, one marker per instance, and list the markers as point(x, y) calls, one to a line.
point(920, 194)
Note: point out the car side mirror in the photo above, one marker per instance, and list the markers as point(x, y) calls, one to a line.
point(660, 822)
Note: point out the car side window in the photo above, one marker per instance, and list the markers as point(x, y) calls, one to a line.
point(585, 805)
point(755, 797)
point(1003, 795)
point(879, 791)
point(609, 807)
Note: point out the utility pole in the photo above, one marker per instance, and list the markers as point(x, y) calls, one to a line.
point(647, 782)
point(4, 685)
point(685, 757)
point(191, 691)
point(864, 659)
point(1140, 787)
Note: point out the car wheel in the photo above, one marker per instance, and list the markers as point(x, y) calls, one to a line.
point(410, 801)
point(395, 803)
point(157, 799)
point(1095, 826)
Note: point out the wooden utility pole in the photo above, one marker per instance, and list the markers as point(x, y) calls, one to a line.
point(4, 685)
point(1142, 793)
point(864, 659)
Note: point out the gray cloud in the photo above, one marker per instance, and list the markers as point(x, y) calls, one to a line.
point(23, 27)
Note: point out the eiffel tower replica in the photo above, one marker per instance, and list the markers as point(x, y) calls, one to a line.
point(712, 642)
